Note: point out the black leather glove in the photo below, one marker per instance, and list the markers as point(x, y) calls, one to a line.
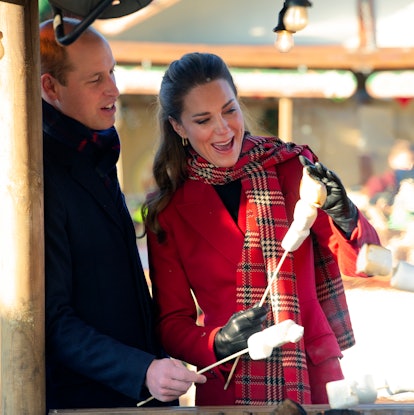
point(233, 336)
point(337, 205)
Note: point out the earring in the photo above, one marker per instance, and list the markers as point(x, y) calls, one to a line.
point(184, 140)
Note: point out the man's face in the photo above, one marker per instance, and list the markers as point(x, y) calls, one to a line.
point(90, 92)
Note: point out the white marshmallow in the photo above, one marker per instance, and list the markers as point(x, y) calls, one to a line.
point(403, 277)
point(261, 344)
point(374, 260)
point(284, 332)
point(295, 333)
point(312, 191)
point(366, 390)
point(342, 394)
point(304, 215)
point(258, 349)
point(294, 238)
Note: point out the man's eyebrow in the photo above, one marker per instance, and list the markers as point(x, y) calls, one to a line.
point(95, 74)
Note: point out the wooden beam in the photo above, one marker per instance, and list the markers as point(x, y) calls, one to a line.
point(259, 56)
point(22, 374)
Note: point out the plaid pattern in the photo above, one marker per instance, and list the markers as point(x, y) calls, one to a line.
point(284, 374)
point(331, 295)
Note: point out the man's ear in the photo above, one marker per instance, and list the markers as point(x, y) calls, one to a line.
point(178, 128)
point(48, 85)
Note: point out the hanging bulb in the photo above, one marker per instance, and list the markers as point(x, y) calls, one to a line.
point(284, 41)
point(296, 18)
point(284, 38)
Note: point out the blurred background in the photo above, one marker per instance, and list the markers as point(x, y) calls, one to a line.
point(345, 87)
point(343, 84)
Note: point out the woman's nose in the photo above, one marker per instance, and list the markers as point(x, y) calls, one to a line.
point(221, 125)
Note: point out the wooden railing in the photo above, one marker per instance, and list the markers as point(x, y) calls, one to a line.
point(377, 409)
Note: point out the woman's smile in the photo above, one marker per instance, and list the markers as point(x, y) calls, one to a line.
point(224, 147)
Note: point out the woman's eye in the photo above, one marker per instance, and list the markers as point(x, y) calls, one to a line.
point(202, 121)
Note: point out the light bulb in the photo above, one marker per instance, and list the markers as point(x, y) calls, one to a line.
point(295, 18)
point(284, 41)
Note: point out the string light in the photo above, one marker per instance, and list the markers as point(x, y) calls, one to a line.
point(292, 17)
point(296, 16)
point(284, 38)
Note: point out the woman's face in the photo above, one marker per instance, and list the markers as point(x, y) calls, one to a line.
point(213, 123)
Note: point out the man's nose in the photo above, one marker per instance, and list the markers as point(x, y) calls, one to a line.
point(111, 88)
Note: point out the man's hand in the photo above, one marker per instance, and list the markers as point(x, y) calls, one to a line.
point(233, 336)
point(168, 379)
point(337, 205)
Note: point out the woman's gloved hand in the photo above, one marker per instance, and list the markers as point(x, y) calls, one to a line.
point(233, 336)
point(337, 205)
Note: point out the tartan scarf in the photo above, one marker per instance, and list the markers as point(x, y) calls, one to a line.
point(266, 381)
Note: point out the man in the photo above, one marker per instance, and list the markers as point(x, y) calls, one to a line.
point(100, 345)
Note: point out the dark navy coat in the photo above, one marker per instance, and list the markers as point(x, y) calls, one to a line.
point(99, 330)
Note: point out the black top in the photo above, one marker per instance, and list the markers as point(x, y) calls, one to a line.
point(230, 195)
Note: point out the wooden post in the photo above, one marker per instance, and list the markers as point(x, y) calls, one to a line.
point(285, 119)
point(22, 384)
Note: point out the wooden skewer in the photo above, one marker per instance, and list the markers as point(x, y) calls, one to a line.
point(269, 285)
point(146, 401)
point(233, 368)
point(213, 365)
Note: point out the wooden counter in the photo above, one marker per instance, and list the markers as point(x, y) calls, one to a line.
point(377, 409)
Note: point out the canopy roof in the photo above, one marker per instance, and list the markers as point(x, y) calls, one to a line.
point(366, 34)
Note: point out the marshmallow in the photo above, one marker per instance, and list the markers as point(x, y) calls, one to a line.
point(304, 215)
point(374, 260)
point(258, 349)
point(342, 394)
point(261, 344)
point(312, 191)
point(403, 277)
point(294, 238)
point(284, 332)
point(366, 390)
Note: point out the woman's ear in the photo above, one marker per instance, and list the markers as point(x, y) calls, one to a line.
point(178, 128)
point(48, 86)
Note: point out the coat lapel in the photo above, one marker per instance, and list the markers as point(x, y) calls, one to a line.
point(90, 181)
point(202, 209)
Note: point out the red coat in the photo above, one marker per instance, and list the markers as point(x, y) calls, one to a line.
point(201, 254)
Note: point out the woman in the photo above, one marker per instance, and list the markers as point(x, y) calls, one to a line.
point(223, 203)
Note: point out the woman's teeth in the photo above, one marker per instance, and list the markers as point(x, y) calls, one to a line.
point(223, 147)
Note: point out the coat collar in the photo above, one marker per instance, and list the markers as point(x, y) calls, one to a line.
point(82, 171)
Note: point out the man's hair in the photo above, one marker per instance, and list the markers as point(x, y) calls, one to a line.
point(53, 56)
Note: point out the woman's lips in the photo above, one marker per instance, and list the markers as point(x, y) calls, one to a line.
point(224, 147)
